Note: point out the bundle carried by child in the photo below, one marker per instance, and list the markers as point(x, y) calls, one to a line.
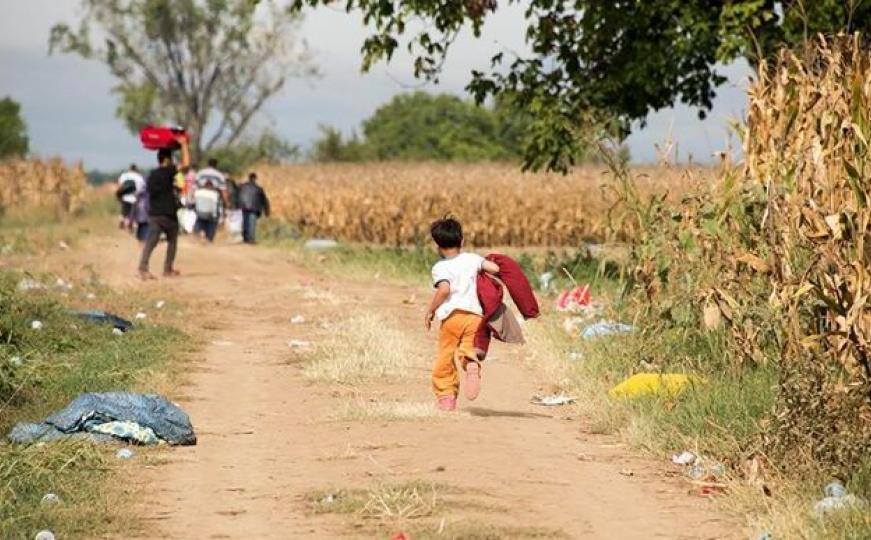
point(498, 321)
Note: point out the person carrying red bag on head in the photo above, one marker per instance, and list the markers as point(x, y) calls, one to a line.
point(163, 208)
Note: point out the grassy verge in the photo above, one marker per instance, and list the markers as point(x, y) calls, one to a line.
point(420, 510)
point(41, 370)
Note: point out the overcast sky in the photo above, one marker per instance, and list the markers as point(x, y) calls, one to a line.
point(69, 109)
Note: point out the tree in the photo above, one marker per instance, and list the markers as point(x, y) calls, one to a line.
point(208, 65)
point(595, 66)
point(13, 131)
point(440, 127)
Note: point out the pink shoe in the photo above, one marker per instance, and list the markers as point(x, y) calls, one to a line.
point(473, 380)
point(447, 403)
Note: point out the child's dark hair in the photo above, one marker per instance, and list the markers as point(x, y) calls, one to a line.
point(163, 154)
point(447, 233)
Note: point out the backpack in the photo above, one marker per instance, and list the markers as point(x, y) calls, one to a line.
point(207, 203)
point(126, 188)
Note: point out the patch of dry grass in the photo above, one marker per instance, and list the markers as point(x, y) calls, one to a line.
point(360, 348)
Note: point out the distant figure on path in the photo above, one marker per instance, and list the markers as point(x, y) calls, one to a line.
point(213, 175)
point(208, 204)
point(253, 202)
point(163, 209)
point(129, 184)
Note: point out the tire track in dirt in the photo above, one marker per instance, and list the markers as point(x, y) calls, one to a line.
point(264, 441)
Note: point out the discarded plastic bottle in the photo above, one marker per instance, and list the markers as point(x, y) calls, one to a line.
point(835, 489)
point(50, 499)
point(44, 535)
point(124, 453)
point(698, 470)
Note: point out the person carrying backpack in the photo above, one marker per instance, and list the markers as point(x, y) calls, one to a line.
point(253, 202)
point(208, 206)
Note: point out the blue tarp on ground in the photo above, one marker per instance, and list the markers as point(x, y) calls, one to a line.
point(104, 317)
point(78, 419)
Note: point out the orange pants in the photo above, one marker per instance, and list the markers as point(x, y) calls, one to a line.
point(456, 337)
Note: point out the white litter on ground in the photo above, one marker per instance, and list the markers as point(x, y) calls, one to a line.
point(554, 400)
point(298, 344)
point(222, 343)
point(684, 458)
point(117, 332)
point(141, 315)
point(124, 453)
point(159, 304)
point(37, 325)
point(297, 319)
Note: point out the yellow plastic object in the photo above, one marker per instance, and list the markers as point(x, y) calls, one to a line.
point(653, 383)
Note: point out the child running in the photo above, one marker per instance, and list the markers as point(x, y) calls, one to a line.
point(455, 304)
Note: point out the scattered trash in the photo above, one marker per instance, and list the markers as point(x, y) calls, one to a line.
point(606, 328)
point(36, 325)
point(574, 299)
point(831, 504)
point(835, 489)
point(138, 418)
point(117, 332)
point(91, 296)
point(16, 361)
point(124, 453)
point(653, 383)
point(400, 536)
point(140, 316)
point(320, 243)
point(44, 535)
point(627, 472)
point(63, 285)
point(684, 458)
point(706, 470)
point(765, 535)
point(545, 280)
point(28, 284)
point(104, 317)
point(159, 304)
point(222, 343)
point(837, 498)
point(329, 499)
point(63, 245)
point(554, 400)
point(298, 344)
point(49, 499)
point(575, 356)
point(297, 319)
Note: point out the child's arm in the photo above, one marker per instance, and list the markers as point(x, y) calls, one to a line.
point(490, 267)
point(443, 290)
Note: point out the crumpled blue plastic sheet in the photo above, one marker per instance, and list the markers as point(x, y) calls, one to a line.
point(168, 421)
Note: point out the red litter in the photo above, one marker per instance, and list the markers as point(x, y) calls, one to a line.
point(574, 299)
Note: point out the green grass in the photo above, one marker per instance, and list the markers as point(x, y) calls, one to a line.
point(41, 371)
point(31, 231)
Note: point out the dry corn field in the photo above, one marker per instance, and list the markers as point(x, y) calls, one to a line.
point(49, 183)
point(393, 203)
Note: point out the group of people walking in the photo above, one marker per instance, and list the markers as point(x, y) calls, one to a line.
point(178, 198)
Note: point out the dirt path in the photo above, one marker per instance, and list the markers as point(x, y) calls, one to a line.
point(265, 437)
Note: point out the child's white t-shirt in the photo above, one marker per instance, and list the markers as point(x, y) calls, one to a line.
point(461, 272)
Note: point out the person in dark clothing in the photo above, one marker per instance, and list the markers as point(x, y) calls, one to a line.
point(163, 209)
point(253, 202)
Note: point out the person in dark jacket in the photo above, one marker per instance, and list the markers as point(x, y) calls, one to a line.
point(163, 209)
point(253, 202)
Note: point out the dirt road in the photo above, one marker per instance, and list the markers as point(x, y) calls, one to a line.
point(267, 439)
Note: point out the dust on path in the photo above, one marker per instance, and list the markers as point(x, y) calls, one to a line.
point(265, 439)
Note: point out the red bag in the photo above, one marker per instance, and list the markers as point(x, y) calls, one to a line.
point(158, 137)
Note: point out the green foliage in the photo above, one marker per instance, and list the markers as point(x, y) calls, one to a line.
point(442, 127)
point(595, 67)
point(238, 158)
point(13, 131)
point(209, 66)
